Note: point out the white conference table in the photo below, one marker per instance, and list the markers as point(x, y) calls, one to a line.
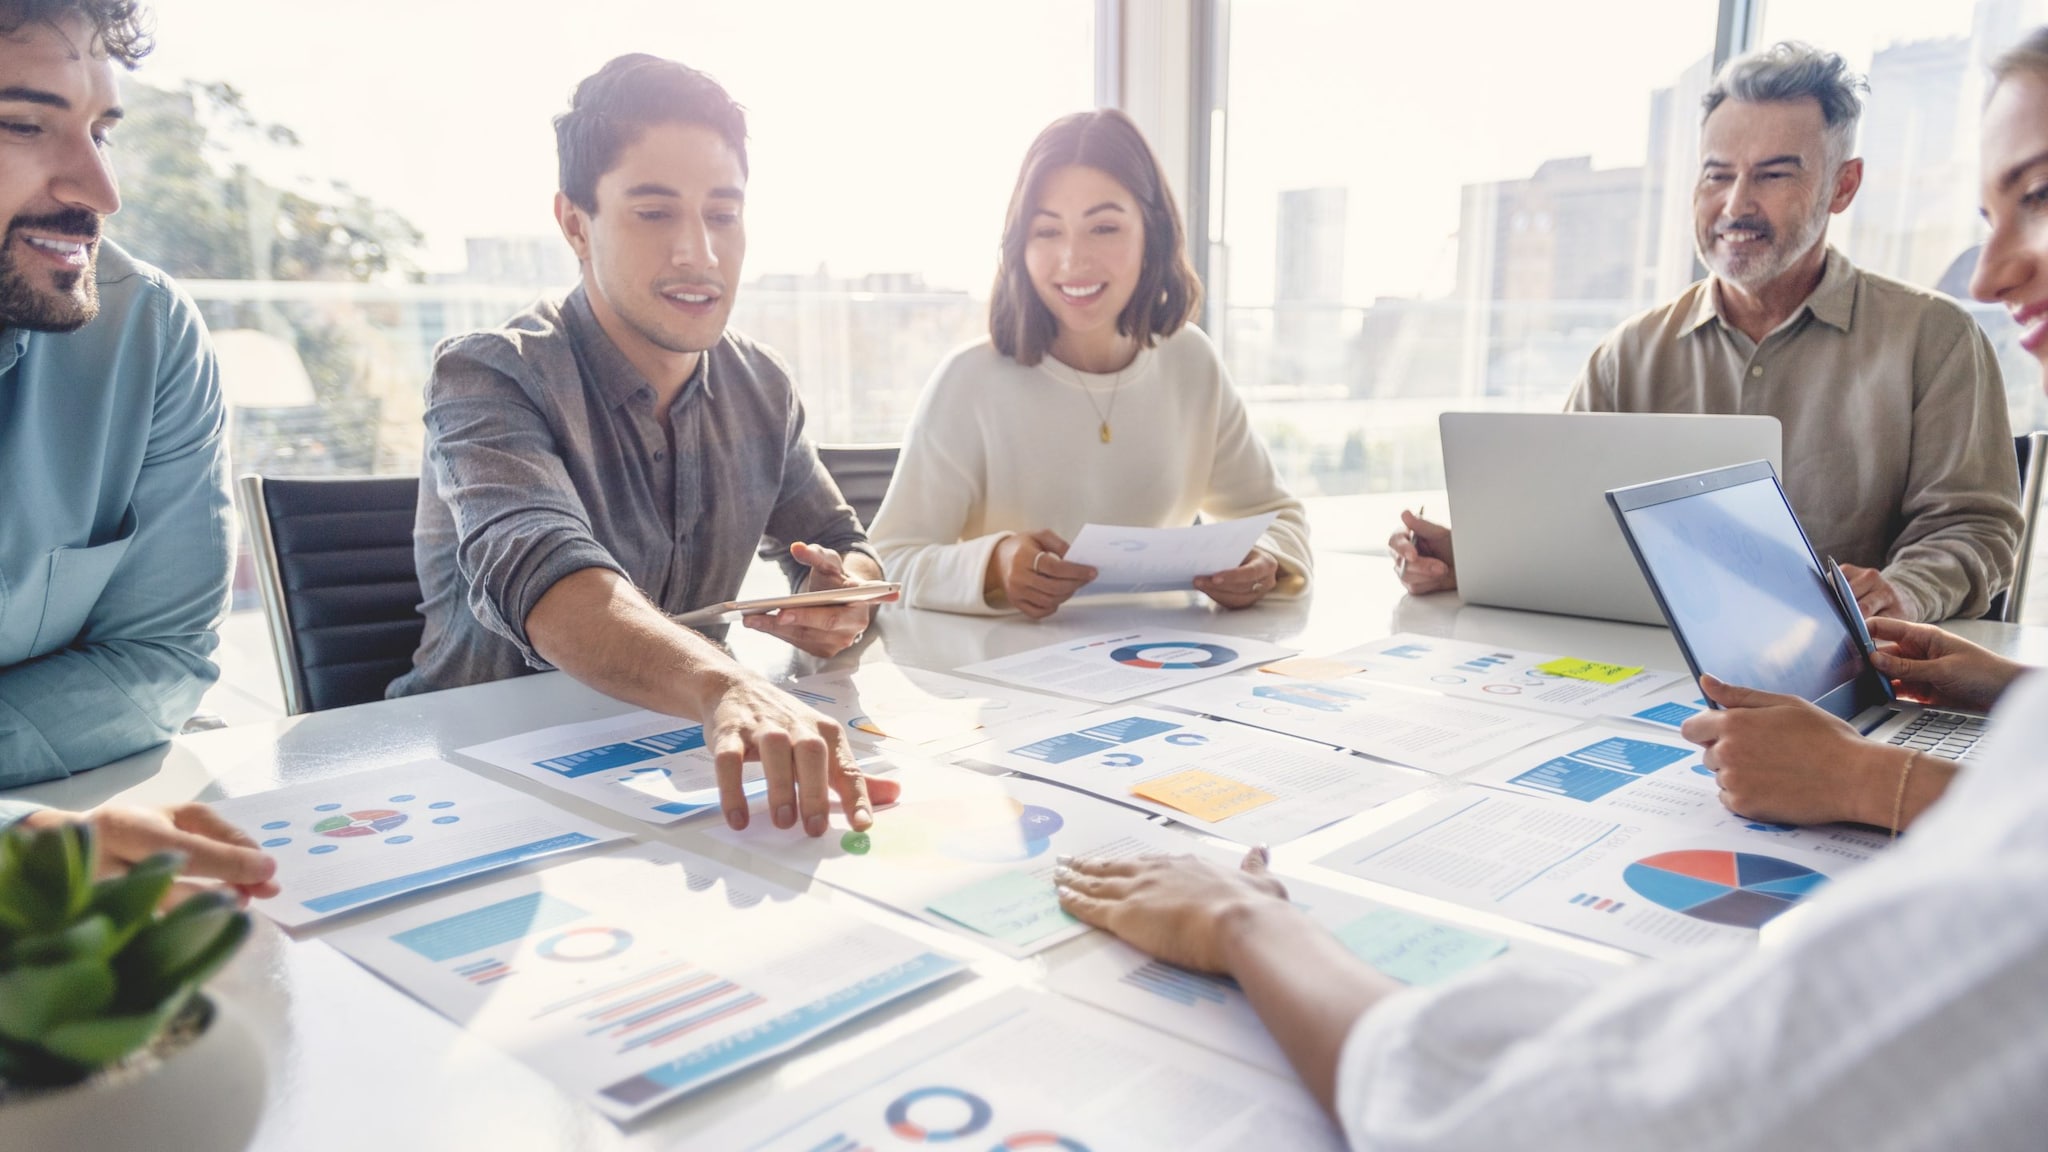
point(354, 1063)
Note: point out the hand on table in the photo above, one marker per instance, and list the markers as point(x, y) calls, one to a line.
point(1177, 908)
point(213, 848)
point(1940, 668)
point(1244, 585)
point(802, 753)
point(1422, 555)
point(1875, 595)
point(823, 631)
point(1783, 760)
point(1029, 569)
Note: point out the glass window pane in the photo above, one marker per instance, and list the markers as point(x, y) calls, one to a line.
point(1432, 207)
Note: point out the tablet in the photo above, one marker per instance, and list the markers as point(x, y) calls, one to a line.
point(823, 597)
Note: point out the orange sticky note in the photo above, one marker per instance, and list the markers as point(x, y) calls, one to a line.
point(1312, 668)
point(1204, 795)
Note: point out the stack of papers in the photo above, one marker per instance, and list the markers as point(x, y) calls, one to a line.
point(1117, 666)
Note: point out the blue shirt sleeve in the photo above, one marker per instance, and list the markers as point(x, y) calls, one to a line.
point(136, 670)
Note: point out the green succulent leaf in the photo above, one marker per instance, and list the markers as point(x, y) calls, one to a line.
point(58, 863)
point(130, 901)
point(32, 1000)
point(105, 1040)
point(187, 940)
point(90, 939)
point(28, 1065)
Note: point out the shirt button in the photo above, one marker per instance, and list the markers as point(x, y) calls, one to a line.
point(661, 453)
point(1757, 371)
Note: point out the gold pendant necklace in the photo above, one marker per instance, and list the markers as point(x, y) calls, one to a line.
point(1102, 428)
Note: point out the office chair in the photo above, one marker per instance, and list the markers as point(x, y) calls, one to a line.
point(2033, 455)
point(334, 564)
point(862, 472)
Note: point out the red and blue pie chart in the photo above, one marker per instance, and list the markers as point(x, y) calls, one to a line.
point(1173, 656)
point(1741, 889)
point(963, 1114)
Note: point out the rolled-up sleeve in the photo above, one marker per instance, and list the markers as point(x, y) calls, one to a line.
point(1960, 506)
point(519, 524)
point(137, 669)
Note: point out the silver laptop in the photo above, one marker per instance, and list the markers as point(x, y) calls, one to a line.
point(1528, 500)
point(1749, 602)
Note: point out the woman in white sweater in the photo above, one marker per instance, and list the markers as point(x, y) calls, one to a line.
point(1093, 400)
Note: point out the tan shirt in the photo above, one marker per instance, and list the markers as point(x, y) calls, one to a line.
point(1898, 451)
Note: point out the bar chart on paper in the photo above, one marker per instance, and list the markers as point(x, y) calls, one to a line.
point(644, 764)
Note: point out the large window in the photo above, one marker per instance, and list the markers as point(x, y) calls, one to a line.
point(1916, 217)
point(1430, 207)
point(343, 187)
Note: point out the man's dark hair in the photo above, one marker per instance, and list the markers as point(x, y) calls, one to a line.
point(611, 108)
point(118, 26)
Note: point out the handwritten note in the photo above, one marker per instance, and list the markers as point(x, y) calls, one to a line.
point(1015, 907)
point(1203, 795)
point(1413, 950)
point(1572, 668)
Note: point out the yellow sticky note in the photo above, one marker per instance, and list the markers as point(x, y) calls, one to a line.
point(1572, 668)
point(1204, 795)
point(1312, 668)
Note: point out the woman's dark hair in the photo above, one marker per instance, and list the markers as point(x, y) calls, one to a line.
point(613, 106)
point(118, 26)
point(1167, 294)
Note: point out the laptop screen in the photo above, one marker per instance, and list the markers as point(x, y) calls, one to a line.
point(1745, 595)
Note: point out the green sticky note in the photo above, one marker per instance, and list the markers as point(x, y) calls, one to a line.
point(1413, 950)
point(1015, 907)
point(1573, 668)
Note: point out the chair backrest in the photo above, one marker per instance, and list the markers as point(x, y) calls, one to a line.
point(334, 563)
point(862, 472)
point(2033, 457)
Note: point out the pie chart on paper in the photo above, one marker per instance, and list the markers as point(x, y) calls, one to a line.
point(1740, 889)
point(1173, 656)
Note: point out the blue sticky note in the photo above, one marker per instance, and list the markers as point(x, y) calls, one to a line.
point(1413, 950)
point(1015, 907)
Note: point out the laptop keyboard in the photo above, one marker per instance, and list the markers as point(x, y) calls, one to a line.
point(1949, 735)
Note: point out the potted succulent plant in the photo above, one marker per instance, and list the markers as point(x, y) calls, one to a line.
point(105, 1039)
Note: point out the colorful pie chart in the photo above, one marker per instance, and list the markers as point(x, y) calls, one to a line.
point(1741, 889)
point(953, 1113)
point(367, 822)
point(1173, 656)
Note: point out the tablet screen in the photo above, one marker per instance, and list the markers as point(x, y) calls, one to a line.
point(1744, 591)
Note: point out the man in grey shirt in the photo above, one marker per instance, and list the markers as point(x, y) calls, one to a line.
point(1898, 454)
point(612, 458)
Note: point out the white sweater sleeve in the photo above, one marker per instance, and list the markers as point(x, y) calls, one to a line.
point(930, 499)
point(1243, 482)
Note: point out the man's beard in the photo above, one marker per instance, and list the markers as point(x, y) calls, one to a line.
point(1764, 267)
point(76, 298)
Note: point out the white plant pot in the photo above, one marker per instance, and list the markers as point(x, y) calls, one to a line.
point(207, 1097)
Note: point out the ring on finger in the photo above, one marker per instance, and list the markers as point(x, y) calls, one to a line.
point(1034, 563)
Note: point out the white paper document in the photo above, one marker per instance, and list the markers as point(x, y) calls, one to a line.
point(1213, 1012)
point(1162, 559)
point(1420, 730)
point(1640, 883)
point(970, 853)
point(1028, 1072)
point(1668, 707)
point(1496, 675)
point(354, 840)
point(1118, 666)
point(633, 978)
point(1625, 771)
point(1241, 783)
point(926, 710)
point(644, 764)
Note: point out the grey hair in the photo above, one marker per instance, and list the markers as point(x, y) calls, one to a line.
point(1793, 70)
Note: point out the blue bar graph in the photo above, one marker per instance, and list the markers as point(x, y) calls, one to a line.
point(1178, 984)
point(488, 927)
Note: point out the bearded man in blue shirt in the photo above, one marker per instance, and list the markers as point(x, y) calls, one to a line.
point(113, 501)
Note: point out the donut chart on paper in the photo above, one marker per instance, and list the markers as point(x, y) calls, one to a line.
point(1173, 656)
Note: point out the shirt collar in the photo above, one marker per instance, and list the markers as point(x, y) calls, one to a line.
point(13, 346)
point(615, 375)
point(1832, 302)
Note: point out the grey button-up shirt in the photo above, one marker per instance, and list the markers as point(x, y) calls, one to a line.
point(545, 456)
